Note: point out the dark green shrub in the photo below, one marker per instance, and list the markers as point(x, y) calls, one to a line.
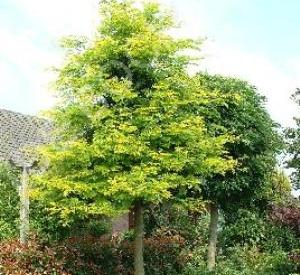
point(245, 261)
point(247, 229)
point(250, 260)
point(9, 201)
point(280, 237)
point(253, 229)
point(176, 219)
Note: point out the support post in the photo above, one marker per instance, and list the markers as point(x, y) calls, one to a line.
point(24, 206)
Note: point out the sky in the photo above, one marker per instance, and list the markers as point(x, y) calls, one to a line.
point(255, 40)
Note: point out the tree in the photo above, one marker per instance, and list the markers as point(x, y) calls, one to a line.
point(254, 150)
point(293, 146)
point(128, 127)
point(279, 188)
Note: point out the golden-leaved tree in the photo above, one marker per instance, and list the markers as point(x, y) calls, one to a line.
point(127, 125)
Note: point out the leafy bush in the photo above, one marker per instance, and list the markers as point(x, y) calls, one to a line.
point(50, 227)
point(9, 201)
point(176, 219)
point(248, 229)
point(250, 260)
point(280, 237)
point(245, 261)
point(162, 254)
point(33, 259)
point(287, 215)
point(253, 229)
point(91, 255)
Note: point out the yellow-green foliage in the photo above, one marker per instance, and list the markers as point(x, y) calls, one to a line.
point(128, 125)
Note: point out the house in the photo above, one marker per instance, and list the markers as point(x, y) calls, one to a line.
point(18, 135)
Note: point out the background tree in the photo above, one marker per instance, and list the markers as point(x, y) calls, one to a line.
point(278, 190)
point(128, 127)
point(293, 146)
point(255, 151)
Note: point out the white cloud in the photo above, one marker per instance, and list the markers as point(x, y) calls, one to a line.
point(22, 66)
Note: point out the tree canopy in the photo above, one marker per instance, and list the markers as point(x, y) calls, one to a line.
point(255, 148)
point(293, 146)
point(128, 125)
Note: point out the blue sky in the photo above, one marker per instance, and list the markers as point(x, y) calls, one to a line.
point(269, 27)
point(252, 39)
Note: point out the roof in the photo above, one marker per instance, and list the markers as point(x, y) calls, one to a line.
point(19, 133)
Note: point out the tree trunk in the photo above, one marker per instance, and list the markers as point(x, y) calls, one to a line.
point(138, 241)
point(24, 208)
point(213, 236)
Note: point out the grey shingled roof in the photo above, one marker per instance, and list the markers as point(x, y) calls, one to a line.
point(19, 133)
